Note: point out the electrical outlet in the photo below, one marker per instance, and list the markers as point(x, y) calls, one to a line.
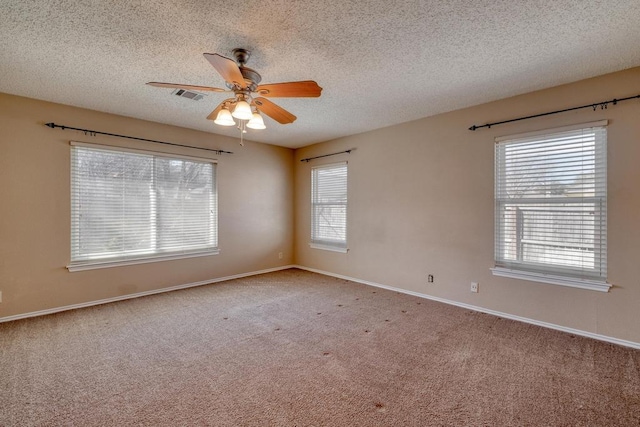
point(430, 278)
point(474, 286)
point(279, 255)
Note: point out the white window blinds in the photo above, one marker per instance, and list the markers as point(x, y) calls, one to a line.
point(329, 205)
point(551, 203)
point(132, 205)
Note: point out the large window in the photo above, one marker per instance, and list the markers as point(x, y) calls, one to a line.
point(551, 207)
point(329, 207)
point(131, 205)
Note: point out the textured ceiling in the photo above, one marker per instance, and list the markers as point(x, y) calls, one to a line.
point(380, 62)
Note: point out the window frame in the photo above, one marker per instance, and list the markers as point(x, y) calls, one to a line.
point(89, 263)
point(328, 244)
point(591, 279)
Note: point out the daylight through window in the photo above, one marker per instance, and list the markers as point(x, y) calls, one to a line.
point(551, 203)
point(136, 205)
point(329, 207)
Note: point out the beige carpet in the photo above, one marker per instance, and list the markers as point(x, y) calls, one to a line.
point(295, 348)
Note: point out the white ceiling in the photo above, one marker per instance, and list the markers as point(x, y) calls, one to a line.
point(380, 62)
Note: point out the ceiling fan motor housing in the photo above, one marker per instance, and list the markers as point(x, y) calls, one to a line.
point(251, 77)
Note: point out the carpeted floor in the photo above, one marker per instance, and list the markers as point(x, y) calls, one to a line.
point(295, 348)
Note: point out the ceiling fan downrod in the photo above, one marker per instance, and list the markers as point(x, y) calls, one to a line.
point(241, 55)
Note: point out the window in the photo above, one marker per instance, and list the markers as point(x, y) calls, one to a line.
point(551, 207)
point(329, 207)
point(128, 206)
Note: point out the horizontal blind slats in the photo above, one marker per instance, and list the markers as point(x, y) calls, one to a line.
point(551, 203)
point(127, 204)
point(329, 205)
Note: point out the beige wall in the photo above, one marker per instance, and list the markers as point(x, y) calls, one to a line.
point(421, 202)
point(255, 207)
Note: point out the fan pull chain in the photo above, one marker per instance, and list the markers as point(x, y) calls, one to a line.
point(243, 130)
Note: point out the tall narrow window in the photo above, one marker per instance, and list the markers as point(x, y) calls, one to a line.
point(329, 207)
point(551, 207)
point(128, 205)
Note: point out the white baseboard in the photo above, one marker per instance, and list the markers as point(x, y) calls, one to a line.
point(599, 337)
point(138, 294)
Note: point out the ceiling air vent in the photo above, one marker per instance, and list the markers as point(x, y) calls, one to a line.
point(188, 94)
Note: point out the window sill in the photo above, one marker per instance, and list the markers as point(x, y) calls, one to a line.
point(329, 248)
point(592, 285)
point(95, 264)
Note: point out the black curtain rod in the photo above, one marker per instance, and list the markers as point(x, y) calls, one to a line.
point(603, 105)
point(94, 133)
point(308, 159)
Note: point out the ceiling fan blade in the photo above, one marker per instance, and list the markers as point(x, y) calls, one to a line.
point(227, 68)
point(215, 112)
point(277, 113)
point(187, 87)
point(303, 89)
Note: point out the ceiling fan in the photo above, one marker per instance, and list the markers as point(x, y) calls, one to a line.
point(249, 98)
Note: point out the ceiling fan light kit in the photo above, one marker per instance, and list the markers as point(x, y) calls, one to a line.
point(224, 118)
point(256, 122)
point(242, 110)
point(243, 82)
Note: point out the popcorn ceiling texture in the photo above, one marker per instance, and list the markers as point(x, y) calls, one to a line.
point(380, 63)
